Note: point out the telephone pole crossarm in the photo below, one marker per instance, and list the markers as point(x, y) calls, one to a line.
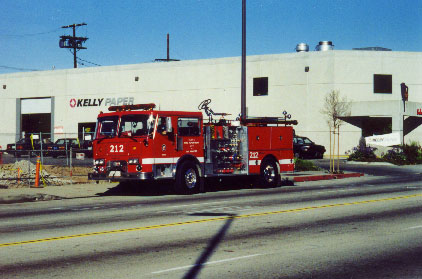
point(73, 42)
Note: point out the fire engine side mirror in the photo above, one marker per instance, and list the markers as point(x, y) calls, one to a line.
point(169, 127)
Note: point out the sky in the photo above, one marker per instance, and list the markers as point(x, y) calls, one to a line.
point(134, 31)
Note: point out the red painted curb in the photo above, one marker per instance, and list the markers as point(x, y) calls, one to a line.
point(326, 176)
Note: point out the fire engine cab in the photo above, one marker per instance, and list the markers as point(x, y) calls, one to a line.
point(137, 142)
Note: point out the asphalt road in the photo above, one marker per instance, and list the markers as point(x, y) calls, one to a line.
point(353, 228)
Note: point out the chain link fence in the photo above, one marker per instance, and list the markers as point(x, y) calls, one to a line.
point(66, 160)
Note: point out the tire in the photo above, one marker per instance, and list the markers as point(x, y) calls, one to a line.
point(187, 179)
point(269, 176)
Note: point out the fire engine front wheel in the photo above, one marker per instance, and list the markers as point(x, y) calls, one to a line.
point(269, 174)
point(187, 178)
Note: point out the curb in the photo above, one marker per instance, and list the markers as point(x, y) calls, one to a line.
point(28, 198)
point(326, 177)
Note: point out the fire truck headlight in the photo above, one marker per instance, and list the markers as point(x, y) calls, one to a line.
point(133, 161)
point(99, 162)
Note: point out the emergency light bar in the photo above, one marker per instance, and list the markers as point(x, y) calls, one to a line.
point(150, 106)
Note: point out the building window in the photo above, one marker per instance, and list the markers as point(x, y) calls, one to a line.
point(383, 84)
point(260, 86)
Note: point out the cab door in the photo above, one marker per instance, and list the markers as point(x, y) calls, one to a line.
point(189, 139)
point(163, 147)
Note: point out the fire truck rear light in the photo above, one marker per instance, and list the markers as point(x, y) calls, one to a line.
point(99, 162)
point(134, 161)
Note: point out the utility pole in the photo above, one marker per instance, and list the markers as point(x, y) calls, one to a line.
point(243, 112)
point(168, 52)
point(73, 41)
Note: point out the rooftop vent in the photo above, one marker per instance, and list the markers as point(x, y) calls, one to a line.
point(302, 47)
point(324, 46)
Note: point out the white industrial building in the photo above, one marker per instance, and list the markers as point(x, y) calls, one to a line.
point(65, 102)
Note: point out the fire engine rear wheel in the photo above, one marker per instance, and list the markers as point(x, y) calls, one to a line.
point(269, 174)
point(187, 178)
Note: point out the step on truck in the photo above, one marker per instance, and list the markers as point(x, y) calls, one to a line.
point(138, 143)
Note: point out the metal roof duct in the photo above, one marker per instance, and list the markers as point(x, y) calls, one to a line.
point(302, 47)
point(324, 46)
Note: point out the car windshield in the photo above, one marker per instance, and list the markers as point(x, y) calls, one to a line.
point(107, 126)
point(136, 124)
point(67, 141)
point(306, 140)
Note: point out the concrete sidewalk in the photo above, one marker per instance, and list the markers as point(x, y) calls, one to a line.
point(74, 191)
point(319, 175)
point(69, 191)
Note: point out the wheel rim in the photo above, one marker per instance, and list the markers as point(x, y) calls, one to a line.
point(269, 173)
point(190, 178)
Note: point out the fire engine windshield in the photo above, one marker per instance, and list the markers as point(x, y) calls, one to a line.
point(107, 126)
point(136, 124)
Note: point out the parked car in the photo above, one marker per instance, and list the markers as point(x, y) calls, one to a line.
point(305, 148)
point(25, 146)
point(61, 146)
point(86, 147)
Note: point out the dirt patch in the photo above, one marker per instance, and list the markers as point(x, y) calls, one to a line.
point(22, 174)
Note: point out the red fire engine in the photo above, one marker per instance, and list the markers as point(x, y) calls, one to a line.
point(136, 142)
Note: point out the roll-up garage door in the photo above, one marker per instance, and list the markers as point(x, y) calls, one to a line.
point(36, 116)
point(34, 106)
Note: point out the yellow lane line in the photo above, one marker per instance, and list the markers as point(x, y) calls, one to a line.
point(206, 220)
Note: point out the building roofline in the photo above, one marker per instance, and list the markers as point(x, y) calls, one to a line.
point(216, 61)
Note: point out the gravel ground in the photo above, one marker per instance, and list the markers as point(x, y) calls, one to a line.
point(22, 174)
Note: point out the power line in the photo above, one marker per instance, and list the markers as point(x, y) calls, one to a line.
point(83, 60)
point(80, 59)
point(30, 34)
point(18, 69)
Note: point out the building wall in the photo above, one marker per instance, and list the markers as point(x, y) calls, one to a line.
point(183, 85)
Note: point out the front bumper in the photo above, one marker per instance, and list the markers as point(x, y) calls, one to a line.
point(124, 176)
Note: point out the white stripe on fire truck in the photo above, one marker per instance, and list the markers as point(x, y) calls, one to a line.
point(168, 160)
point(281, 162)
point(285, 161)
point(254, 162)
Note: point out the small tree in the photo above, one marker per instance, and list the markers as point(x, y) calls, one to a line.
point(334, 108)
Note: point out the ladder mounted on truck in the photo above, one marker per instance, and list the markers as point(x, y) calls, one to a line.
point(250, 121)
point(149, 106)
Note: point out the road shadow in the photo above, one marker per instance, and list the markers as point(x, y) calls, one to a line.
point(239, 183)
point(141, 188)
point(212, 244)
point(163, 188)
